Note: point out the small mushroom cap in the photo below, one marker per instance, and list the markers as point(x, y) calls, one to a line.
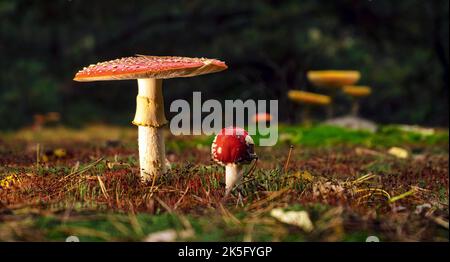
point(233, 145)
point(357, 91)
point(308, 97)
point(333, 78)
point(143, 66)
point(261, 117)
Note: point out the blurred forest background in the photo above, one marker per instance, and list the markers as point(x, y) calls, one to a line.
point(400, 47)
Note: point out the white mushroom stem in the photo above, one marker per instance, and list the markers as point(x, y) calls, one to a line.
point(150, 119)
point(151, 152)
point(233, 175)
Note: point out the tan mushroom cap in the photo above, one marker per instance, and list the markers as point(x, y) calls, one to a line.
point(261, 117)
point(143, 66)
point(308, 97)
point(357, 91)
point(333, 78)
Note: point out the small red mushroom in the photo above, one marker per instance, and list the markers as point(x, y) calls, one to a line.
point(232, 147)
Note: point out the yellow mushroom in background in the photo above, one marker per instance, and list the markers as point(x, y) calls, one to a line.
point(308, 99)
point(356, 92)
point(333, 80)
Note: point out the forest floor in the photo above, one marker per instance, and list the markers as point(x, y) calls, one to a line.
point(338, 185)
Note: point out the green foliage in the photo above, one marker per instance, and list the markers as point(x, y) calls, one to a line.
point(327, 136)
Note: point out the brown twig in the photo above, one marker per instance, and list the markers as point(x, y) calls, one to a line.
point(288, 158)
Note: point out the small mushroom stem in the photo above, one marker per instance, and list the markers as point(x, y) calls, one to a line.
point(355, 107)
point(332, 92)
point(330, 111)
point(150, 119)
point(233, 175)
point(306, 118)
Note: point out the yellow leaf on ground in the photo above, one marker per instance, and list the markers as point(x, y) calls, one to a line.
point(169, 235)
point(296, 218)
point(398, 152)
point(59, 152)
point(305, 175)
point(8, 181)
point(44, 158)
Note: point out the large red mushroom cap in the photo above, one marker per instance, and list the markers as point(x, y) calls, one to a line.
point(233, 145)
point(143, 66)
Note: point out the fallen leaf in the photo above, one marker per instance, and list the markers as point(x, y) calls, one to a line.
point(327, 189)
point(421, 208)
point(305, 175)
point(169, 235)
point(398, 152)
point(296, 218)
point(44, 158)
point(8, 181)
point(59, 152)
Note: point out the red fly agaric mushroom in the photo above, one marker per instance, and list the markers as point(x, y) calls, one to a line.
point(232, 147)
point(150, 117)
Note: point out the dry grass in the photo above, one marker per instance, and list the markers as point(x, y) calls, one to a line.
point(93, 190)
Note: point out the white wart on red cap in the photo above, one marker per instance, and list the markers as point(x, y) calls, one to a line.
point(233, 145)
